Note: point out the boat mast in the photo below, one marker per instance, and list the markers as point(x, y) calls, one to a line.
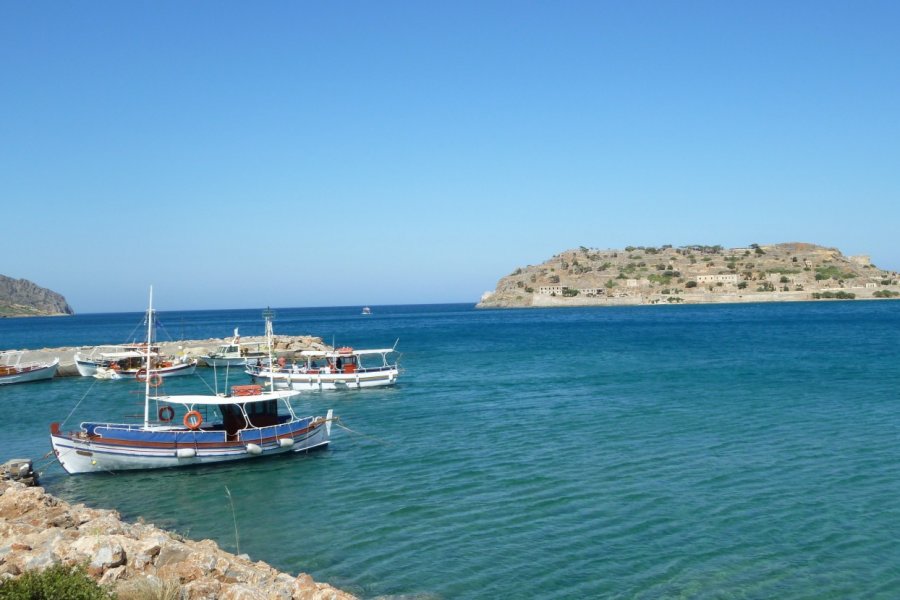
point(268, 315)
point(147, 363)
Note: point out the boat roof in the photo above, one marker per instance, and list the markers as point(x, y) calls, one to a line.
point(335, 353)
point(126, 354)
point(241, 344)
point(132, 346)
point(209, 400)
point(7, 356)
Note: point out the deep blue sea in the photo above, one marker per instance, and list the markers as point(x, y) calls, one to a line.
point(734, 451)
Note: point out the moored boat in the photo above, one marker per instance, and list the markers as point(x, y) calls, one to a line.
point(13, 370)
point(234, 353)
point(125, 361)
point(184, 430)
point(247, 424)
point(339, 369)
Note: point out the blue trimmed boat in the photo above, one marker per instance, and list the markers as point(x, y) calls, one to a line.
point(192, 429)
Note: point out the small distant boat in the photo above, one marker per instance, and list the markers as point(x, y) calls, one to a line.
point(234, 354)
point(214, 428)
point(13, 370)
point(340, 369)
point(366, 310)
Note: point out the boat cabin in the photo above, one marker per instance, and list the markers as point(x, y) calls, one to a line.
point(235, 349)
point(342, 360)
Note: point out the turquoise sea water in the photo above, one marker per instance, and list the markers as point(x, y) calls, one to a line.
point(746, 451)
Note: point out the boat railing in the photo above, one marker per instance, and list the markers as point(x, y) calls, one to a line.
point(259, 370)
point(254, 434)
point(17, 364)
point(32, 365)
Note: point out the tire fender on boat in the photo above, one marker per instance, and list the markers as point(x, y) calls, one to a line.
point(166, 413)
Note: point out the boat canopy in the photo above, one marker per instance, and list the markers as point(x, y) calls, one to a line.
point(125, 354)
point(11, 358)
point(200, 400)
point(336, 354)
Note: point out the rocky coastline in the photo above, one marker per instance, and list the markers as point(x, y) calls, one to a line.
point(38, 530)
point(637, 275)
point(23, 298)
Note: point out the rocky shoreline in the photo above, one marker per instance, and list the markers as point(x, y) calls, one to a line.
point(635, 275)
point(38, 530)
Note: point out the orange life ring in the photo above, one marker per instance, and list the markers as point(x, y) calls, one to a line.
point(166, 413)
point(155, 378)
point(193, 420)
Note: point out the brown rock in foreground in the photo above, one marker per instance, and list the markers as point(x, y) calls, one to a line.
point(38, 530)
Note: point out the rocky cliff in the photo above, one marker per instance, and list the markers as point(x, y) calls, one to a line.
point(692, 275)
point(22, 298)
point(38, 530)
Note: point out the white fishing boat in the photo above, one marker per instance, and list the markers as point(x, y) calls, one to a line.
point(13, 370)
point(339, 369)
point(89, 359)
point(234, 353)
point(126, 361)
point(366, 310)
point(185, 430)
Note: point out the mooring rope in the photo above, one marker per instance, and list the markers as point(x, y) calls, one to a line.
point(43, 462)
point(337, 421)
point(72, 412)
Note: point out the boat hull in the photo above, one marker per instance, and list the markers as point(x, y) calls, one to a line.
point(88, 368)
point(314, 382)
point(81, 453)
point(33, 374)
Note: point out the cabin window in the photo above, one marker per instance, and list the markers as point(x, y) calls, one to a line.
point(262, 414)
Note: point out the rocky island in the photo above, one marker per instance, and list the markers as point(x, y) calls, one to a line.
point(22, 298)
point(693, 275)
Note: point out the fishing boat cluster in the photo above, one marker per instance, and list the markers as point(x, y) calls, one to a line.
point(250, 420)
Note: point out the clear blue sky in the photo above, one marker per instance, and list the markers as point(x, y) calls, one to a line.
point(245, 154)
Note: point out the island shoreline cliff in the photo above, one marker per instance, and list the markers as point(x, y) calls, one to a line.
point(643, 275)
